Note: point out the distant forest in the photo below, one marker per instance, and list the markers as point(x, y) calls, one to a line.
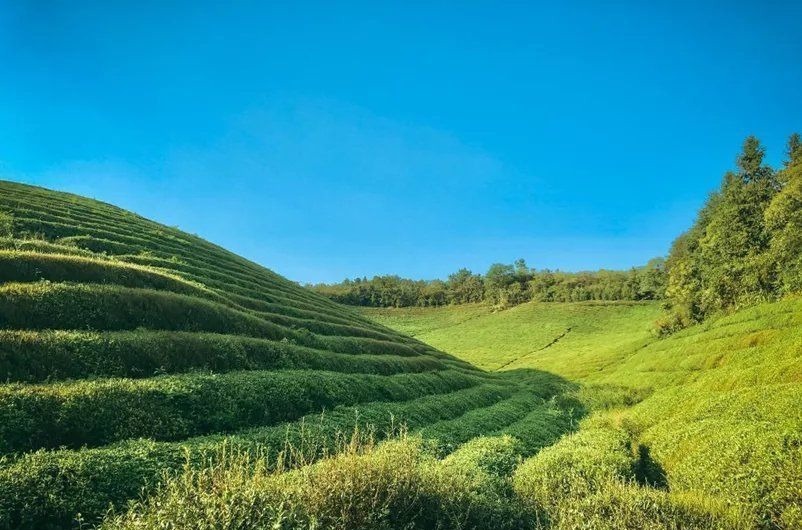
point(502, 285)
point(744, 247)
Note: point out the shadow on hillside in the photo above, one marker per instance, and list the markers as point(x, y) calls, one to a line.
point(649, 472)
point(559, 392)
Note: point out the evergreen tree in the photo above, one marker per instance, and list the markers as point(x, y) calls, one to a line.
point(750, 161)
point(733, 265)
point(794, 151)
point(723, 261)
point(784, 220)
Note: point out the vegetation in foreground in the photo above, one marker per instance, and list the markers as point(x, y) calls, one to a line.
point(129, 350)
point(144, 363)
point(589, 480)
point(711, 411)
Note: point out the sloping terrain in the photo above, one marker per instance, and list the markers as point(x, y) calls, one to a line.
point(139, 362)
point(714, 412)
point(128, 348)
point(569, 338)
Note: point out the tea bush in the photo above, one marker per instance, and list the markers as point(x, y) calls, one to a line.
point(174, 407)
point(46, 489)
point(37, 356)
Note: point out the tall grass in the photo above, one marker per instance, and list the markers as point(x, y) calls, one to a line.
point(398, 484)
point(46, 489)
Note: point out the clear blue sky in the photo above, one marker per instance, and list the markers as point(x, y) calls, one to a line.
point(326, 141)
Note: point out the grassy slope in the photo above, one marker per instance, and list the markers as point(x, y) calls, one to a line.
point(721, 415)
point(124, 343)
point(113, 328)
point(591, 335)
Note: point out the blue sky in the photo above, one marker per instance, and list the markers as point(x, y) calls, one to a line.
point(326, 141)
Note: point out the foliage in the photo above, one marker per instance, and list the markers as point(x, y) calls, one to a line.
point(116, 328)
point(502, 285)
point(45, 489)
point(744, 246)
point(127, 346)
point(711, 411)
point(93, 413)
point(784, 221)
point(6, 224)
point(52, 355)
point(398, 484)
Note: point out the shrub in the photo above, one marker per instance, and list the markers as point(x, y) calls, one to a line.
point(37, 356)
point(6, 224)
point(399, 484)
point(174, 407)
point(580, 464)
point(47, 489)
point(108, 308)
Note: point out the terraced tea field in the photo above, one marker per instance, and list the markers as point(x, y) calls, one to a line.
point(128, 348)
point(715, 410)
point(154, 380)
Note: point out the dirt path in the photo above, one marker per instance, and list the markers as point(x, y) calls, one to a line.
point(549, 345)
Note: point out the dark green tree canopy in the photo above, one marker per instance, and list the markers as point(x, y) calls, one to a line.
point(750, 161)
point(746, 243)
point(794, 149)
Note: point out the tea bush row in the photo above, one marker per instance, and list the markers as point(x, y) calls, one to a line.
point(48, 489)
point(175, 407)
point(56, 228)
point(399, 484)
point(39, 356)
point(29, 267)
point(269, 285)
point(110, 308)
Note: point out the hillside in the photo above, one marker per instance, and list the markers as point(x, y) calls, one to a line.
point(128, 349)
point(151, 372)
point(716, 407)
point(547, 335)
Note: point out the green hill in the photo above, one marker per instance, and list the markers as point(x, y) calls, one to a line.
point(151, 372)
point(128, 348)
point(717, 408)
point(567, 338)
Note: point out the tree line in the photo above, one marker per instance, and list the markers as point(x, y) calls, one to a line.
point(744, 247)
point(502, 285)
point(746, 243)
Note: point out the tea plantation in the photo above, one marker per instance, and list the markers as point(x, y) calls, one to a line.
point(712, 414)
point(152, 380)
point(128, 349)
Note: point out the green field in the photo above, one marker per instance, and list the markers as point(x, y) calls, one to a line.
point(572, 340)
point(717, 407)
point(151, 373)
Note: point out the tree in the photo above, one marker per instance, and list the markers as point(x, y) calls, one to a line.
point(465, 287)
point(794, 151)
point(750, 160)
point(652, 279)
point(784, 221)
point(498, 277)
point(722, 261)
